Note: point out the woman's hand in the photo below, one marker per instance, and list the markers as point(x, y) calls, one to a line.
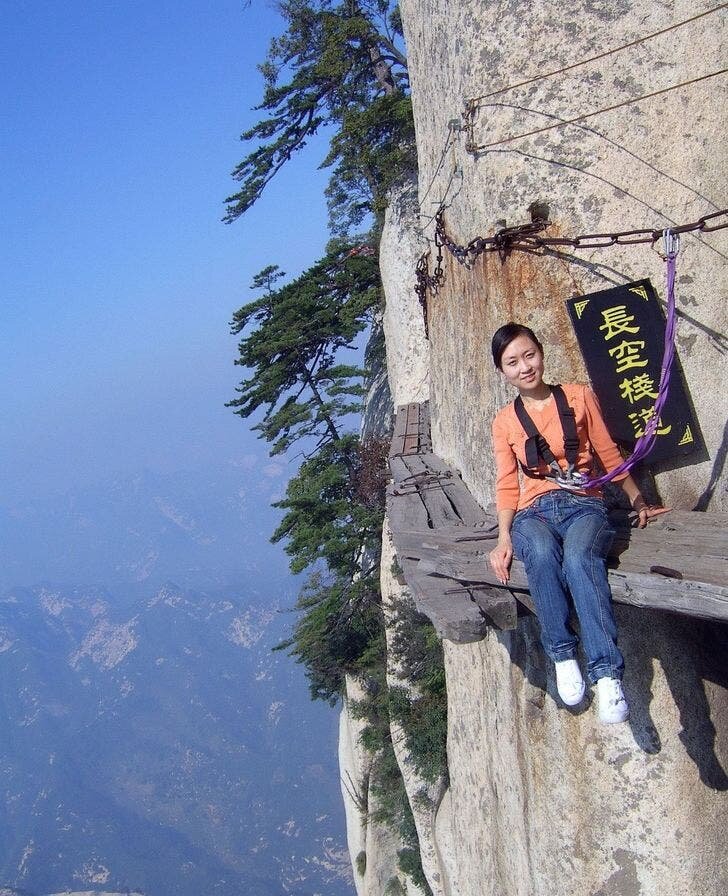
point(500, 559)
point(647, 512)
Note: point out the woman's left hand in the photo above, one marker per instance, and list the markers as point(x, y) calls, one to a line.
point(648, 512)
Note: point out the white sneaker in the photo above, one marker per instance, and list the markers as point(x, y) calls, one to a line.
point(613, 706)
point(569, 682)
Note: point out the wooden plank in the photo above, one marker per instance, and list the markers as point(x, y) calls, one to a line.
point(400, 430)
point(477, 570)
point(469, 537)
point(683, 528)
point(714, 544)
point(693, 544)
point(411, 430)
point(417, 466)
point(498, 605)
point(440, 509)
point(436, 541)
point(410, 471)
point(707, 569)
point(689, 598)
point(454, 616)
point(406, 426)
point(465, 505)
point(424, 427)
point(460, 610)
point(407, 512)
point(438, 465)
point(467, 508)
point(646, 550)
point(412, 442)
point(693, 598)
point(398, 469)
point(400, 421)
point(443, 558)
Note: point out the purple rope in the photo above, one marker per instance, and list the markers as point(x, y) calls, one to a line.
point(646, 441)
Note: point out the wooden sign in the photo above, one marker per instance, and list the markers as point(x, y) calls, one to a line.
point(621, 334)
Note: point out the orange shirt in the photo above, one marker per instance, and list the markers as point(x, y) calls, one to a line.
point(509, 441)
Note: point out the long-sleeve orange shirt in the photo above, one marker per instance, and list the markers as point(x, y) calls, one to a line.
point(509, 441)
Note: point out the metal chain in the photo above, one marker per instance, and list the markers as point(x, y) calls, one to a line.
point(525, 238)
point(426, 281)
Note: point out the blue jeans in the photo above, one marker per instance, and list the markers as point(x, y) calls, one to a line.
point(563, 540)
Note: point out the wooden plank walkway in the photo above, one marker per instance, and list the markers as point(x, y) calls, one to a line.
point(442, 538)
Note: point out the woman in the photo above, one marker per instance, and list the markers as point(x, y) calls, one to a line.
point(560, 531)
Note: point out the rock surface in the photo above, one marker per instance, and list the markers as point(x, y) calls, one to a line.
point(650, 164)
point(543, 794)
point(404, 328)
point(542, 799)
point(372, 846)
point(424, 797)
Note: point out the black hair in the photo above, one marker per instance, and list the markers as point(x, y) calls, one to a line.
point(503, 337)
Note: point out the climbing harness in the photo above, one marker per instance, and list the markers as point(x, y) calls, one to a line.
point(537, 448)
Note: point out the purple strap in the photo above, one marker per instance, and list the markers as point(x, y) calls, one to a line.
point(646, 441)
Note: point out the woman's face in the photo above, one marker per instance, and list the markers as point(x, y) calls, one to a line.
point(522, 364)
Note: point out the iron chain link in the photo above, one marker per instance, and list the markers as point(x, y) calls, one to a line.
point(526, 238)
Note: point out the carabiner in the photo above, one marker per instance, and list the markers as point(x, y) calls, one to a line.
point(671, 243)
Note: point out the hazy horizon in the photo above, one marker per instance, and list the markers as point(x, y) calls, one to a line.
point(121, 468)
point(122, 128)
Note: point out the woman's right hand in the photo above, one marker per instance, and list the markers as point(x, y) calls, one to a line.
point(500, 559)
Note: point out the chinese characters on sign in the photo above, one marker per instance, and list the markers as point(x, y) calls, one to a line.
point(621, 333)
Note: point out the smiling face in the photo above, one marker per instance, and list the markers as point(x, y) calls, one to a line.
point(522, 365)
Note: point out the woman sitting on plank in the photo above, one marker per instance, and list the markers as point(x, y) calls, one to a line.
point(559, 529)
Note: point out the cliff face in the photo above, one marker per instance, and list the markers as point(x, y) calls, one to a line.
point(372, 845)
point(540, 799)
point(654, 163)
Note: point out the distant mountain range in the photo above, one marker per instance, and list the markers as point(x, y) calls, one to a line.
point(11, 891)
point(150, 741)
point(165, 751)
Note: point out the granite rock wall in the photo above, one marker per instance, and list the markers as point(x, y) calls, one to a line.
point(650, 164)
point(541, 799)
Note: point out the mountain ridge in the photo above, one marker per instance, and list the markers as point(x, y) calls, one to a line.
point(165, 728)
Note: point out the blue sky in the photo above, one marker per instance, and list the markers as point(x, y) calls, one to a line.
point(121, 125)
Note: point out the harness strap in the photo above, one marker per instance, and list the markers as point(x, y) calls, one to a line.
point(536, 445)
point(568, 425)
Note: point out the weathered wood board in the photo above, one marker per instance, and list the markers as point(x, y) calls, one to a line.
point(411, 430)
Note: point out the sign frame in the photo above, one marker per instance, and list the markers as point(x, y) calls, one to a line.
point(621, 334)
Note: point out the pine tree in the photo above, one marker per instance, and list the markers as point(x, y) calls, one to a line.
point(338, 65)
point(293, 337)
